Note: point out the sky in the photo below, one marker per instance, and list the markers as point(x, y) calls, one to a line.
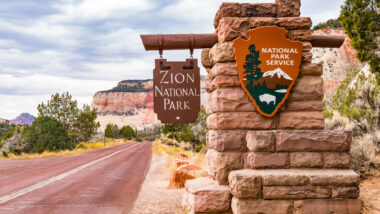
point(85, 46)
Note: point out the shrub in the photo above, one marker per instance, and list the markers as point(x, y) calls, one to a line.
point(138, 139)
point(127, 132)
point(47, 133)
point(111, 131)
point(15, 151)
point(4, 153)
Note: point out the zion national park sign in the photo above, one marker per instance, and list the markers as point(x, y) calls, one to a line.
point(268, 66)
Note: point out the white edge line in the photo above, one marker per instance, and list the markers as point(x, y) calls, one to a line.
point(41, 184)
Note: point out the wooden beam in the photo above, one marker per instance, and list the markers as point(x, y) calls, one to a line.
point(326, 41)
point(200, 41)
point(178, 41)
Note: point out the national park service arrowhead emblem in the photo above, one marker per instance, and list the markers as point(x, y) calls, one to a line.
point(268, 66)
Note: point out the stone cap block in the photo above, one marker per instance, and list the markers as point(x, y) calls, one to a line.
point(288, 7)
point(204, 195)
point(244, 184)
point(300, 177)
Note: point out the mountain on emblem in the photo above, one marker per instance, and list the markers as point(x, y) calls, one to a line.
point(268, 65)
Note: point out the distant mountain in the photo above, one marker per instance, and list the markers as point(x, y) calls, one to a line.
point(22, 119)
point(274, 78)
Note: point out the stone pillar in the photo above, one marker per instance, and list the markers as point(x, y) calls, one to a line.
point(284, 164)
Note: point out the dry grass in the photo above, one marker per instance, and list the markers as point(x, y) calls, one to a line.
point(80, 148)
point(171, 153)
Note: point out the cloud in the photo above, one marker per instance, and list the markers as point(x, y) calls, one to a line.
point(83, 46)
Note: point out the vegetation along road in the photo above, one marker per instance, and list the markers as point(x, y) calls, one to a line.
point(102, 181)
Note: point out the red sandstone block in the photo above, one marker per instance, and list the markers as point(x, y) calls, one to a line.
point(204, 195)
point(306, 46)
point(240, 120)
point(255, 22)
point(307, 88)
point(229, 100)
point(230, 28)
point(205, 58)
point(261, 141)
point(288, 8)
point(219, 164)
point(295, 192)
point(304, 105)
point(257, 160)
point(345, 192)
point(261, 206)
point(301, 34)
point(294, 22)
point(313, 69)
point(226, 69)
point(225, 81)
point(313, 140)
point(337, 160)
point(306, 159)
point(227, 10)
point(301, 120)
point(245, 184)
point(226, 140)
point(307, 56)
point(322, 206)
point(259, 10)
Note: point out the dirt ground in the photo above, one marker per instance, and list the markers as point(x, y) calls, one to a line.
point(155, 196)
point(370, 194)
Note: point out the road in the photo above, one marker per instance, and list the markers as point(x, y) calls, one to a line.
point(103, 181)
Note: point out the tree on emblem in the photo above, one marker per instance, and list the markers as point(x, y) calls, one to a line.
point(252, 71)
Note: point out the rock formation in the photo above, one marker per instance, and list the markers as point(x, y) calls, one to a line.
point(336, 62)
point(130, 103)
point(22, 119)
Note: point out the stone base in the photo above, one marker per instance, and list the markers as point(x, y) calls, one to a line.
point(308, 206)
point(203, 195)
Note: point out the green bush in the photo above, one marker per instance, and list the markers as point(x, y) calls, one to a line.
point(15, 151)
point(138, 139)
point(127, 132)
point(47, 133)
point(111, 131)
point(4, 153)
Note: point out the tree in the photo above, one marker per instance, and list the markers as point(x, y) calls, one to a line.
point(85, 125)
point(80, 123)
point(111, 131)
point(47, 133)
point(361, 22)
point(252, 71)
point(127, 132)
point(331, 23)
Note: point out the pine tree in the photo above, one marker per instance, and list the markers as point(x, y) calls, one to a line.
point(251, 66)
point(361, 22)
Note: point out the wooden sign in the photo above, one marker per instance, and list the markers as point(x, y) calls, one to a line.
point(268, 66)
point(176, 91)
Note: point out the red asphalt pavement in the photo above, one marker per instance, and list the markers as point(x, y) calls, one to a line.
point(108, 186)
